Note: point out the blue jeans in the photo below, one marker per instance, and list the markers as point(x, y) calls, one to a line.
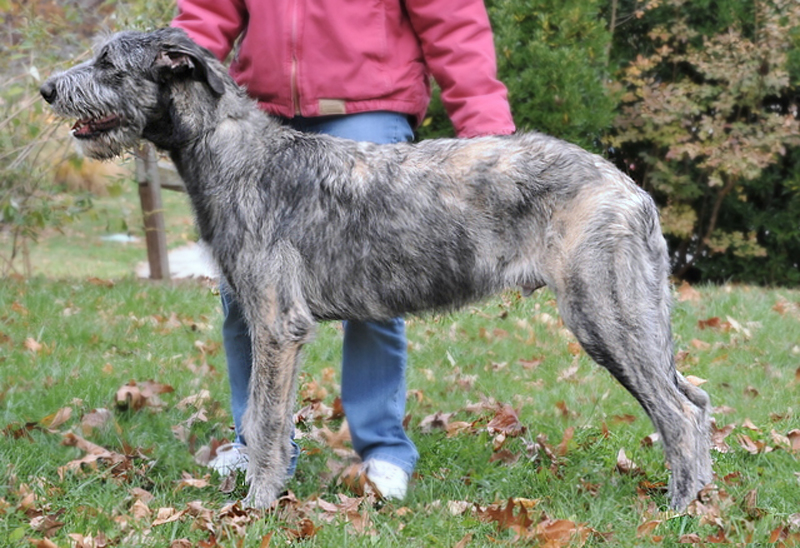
point(374, 353)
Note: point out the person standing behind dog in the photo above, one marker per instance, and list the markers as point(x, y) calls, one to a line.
point(359, 70)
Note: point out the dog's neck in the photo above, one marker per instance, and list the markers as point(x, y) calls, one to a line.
point(221, 135)
point(223, 132)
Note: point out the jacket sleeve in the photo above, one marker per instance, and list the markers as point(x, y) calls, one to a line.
point(213, 24)
point(459, 50)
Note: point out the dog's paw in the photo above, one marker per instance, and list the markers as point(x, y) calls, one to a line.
point(260, 499)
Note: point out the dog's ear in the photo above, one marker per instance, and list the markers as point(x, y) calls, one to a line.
point(187, 59)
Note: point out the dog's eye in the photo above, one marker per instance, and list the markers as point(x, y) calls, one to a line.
point(104, 60)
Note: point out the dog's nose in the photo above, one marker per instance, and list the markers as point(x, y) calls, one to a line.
point(48, 91)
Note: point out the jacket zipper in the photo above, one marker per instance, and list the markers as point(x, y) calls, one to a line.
point(294, 84)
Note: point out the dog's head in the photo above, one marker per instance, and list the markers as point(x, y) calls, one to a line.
point(133, 88)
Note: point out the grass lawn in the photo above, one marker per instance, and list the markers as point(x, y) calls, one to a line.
point(83, 249)
point(111, 393)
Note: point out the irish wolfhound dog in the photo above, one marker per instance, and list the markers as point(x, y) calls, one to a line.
point(309, 227)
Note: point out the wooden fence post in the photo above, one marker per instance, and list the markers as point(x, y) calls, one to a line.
point(152, 211)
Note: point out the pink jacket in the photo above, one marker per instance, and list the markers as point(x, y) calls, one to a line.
point(312, 58)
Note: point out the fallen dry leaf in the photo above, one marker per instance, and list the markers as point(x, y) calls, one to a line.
point(747, 423)
point(498, 441)
point(569, 374)
point(203, 517)
point(784, 536)
point(652, 439)
point(47, 525)
point(753, 447)
point(265, 540)
point(718, 538)
point(506, 421)
point(129, 397)
point(561, 448)
point(560, 532)
point(505, 517)
point(142, 494)
point(699, 345)
point(588, 487)
point(350, 509)
point(313, 391)
point(100, 282)
point(56, 419)
point(714, 323)
point(457, 507)
point(781, 306)
point(458, 427)
point(96, 418)
point(167, 515)
point(316, 411)
point(626, 419)
point(353, 479)
point(750, 504)
point(723, 410)
point(486, 404)
point(625, 465)
point(336, 440)
point(707, 505)
point(697, 381)
point(89, 541)
point(733, 477)
point(565, 411)
point(794, 438)
point(646, 488)
point(32, 345)
point(541, 444)
point(718, 436)
point(188, 481)
point(140, 510)
point(505, 456)
point(94, 454)
point(195, 400)
point(574, 348)
point(42, 543)
point(133, 396)
point(738, 328)
point(531, 364)
point(687, 293)
point(437, 421)
point(306, 530)
point(73, 440)
point(207, 348)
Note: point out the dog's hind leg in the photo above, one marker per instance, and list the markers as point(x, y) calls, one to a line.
point(280, 326)
point(613, 293)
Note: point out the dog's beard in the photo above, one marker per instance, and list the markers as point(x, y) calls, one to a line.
point(107, 144)
point(103, 147)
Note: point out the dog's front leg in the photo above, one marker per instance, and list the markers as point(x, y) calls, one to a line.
point(278, 334)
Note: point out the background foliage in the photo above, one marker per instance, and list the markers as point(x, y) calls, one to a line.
point(697, 101)
point(709, 125)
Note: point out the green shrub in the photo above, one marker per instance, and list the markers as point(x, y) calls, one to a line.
point(552, 56)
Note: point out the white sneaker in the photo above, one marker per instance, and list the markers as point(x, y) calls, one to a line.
point(231, 456)
point(390, 480)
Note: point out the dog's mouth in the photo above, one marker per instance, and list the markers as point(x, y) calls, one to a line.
point(89, 128)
